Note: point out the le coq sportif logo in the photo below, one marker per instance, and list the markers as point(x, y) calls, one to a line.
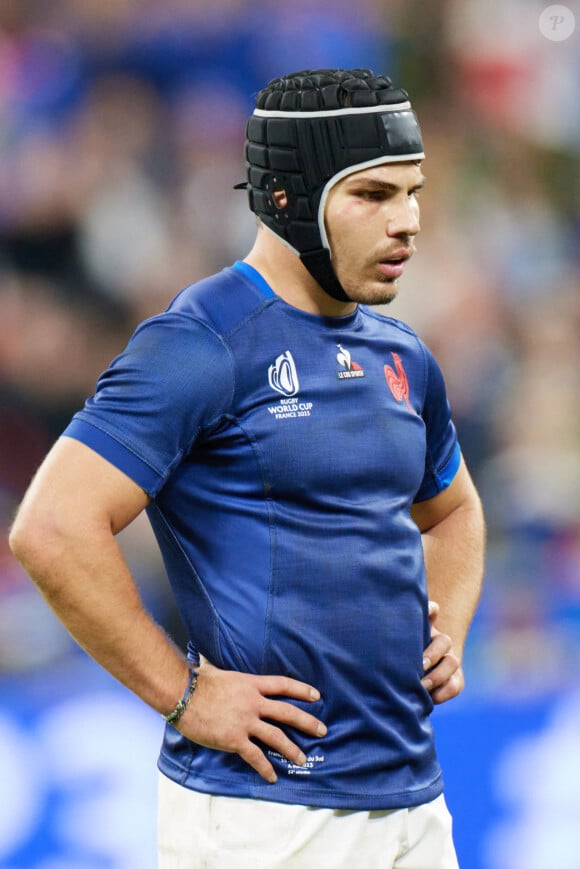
point(282, 375)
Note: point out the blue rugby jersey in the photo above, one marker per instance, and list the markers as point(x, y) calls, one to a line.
point(283, 451)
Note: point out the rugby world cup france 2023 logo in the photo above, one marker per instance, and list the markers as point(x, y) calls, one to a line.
point(282, 375)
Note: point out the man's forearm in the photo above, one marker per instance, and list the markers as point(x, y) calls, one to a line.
point(87, 583)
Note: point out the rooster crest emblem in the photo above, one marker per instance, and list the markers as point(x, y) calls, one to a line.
point(397, 381)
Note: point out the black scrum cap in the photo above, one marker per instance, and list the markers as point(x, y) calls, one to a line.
point(309, 130)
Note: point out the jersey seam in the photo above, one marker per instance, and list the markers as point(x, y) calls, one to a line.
point(268, 501)
point(223, 413)
point(392, 321)
point(430, 464)
point(253, 315)
point(169, 531)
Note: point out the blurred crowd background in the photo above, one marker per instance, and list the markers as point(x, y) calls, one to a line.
point(121, 137)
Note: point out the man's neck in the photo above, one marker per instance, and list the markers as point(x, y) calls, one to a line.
point(282, 270)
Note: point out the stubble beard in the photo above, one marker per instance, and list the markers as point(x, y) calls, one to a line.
point(381, 292)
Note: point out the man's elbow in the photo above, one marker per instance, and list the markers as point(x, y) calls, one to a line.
point(37, 542)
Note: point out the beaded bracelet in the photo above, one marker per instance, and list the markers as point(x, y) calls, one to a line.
point(173, 717)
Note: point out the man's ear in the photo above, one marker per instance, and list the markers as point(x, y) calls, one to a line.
point(280, 199)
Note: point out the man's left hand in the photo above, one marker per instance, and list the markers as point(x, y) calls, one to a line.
point(443, 678)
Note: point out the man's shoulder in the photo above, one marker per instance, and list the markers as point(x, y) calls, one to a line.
point(222, 301)
point(390, 324)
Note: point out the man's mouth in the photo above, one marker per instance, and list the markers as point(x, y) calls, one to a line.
point(393, 267)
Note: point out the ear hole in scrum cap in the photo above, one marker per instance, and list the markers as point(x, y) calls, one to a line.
point(308, 130)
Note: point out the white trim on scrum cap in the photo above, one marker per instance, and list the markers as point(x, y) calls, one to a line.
point(350, 170)
point(328, 113)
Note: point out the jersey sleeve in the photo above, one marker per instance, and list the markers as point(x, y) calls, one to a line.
point(174, 379)
point(443, 454)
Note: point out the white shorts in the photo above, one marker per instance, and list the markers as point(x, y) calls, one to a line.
point(198, 831)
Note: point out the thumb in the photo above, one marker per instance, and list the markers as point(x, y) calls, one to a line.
point(433, 610)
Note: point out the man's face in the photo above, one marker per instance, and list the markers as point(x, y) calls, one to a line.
point(371, 219)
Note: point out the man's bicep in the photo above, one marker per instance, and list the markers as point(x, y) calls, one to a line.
point(76, 487)
point(460, 493)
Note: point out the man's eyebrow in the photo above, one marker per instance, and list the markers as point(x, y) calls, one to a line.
point(378, 184)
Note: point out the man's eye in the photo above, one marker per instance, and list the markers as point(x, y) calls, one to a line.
point(372, 195)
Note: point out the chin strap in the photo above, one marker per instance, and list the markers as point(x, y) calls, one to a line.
point(318, 264)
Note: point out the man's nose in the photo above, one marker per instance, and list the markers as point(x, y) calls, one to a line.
point(405, 221)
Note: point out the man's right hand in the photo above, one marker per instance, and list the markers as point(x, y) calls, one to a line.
point(230, 709)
